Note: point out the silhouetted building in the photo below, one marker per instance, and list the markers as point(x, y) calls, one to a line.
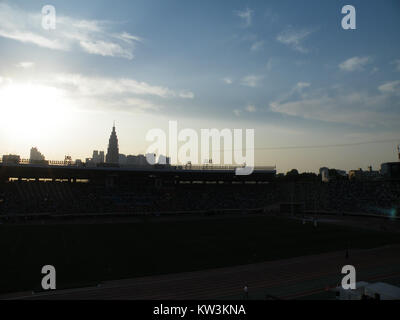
point(332, 174)
point(11, 159)
point(151, 158)
point(122, 159)
point(98, 156)
point(35, 155)
point(163, 160)
point(113, 150)
point(390, 170)
point(398, 151)
point(324, 172)
point(364, 175)
point(139, 160)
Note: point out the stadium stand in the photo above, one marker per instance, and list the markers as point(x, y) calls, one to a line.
point(131, 192)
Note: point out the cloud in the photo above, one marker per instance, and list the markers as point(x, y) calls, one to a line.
point(26, 64)
point(99, 86)
point(246, 15)
point(294, 38)
point(374, 70)
point(251, 80)
point(102, 94)
point(338, 106)
point(5, 81)
point(257, 46)
point(297, 91)
point(271, 16)
point(354, 64)
point(134, 104)
point(104, 48)
point(186, 95)
point(237, 112)
point(90, 36)
point(271, 63)
point(301, 85)
point(251, 108)
point(390, 87)
point(30, 37)
point(227, 80)
point(396, 64)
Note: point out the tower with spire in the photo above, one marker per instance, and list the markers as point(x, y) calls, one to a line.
point(113, 150)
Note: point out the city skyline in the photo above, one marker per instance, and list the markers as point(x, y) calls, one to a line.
point(297, 79)
point(113, 157)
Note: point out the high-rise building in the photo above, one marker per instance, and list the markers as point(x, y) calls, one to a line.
point(98, 157)
point(113, 150)
point(36, 155)
point(11, 158)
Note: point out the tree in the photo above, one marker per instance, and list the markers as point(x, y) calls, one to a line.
point(293, 172)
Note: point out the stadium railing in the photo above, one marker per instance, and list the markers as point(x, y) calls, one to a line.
point(157, 166)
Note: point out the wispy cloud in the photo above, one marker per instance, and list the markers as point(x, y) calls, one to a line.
point(26, 64)
point(5, 81)
point(251, 108)
point(133, 104)
point(396, 64)
point(374, 70)
point(227, 80)
point(301, 85)
point(186, 95)
point(270, 64)
point(354, 64)
point(336, 105)
point(390, 87)
point(298, 91)
point(271, 16)
point(33, 38)
point(246, 15)
point(99, 86)
point(91, 36)
point(257, 46)
point(100, 94)
point(294, 38)
point(251, 80)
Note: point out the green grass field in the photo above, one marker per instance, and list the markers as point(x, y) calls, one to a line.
point(85, 254)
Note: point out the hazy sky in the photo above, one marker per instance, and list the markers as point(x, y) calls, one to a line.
point(285, 68)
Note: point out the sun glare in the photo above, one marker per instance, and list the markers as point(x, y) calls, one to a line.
point(32, 111)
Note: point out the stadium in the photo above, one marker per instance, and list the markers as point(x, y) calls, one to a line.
point(281, 181)
point(102, 224)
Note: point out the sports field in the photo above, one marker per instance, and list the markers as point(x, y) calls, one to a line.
point(86, 254)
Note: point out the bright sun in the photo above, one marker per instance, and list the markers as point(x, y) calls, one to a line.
point(32, 111)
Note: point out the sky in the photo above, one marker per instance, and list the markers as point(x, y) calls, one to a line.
point(315, 94)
